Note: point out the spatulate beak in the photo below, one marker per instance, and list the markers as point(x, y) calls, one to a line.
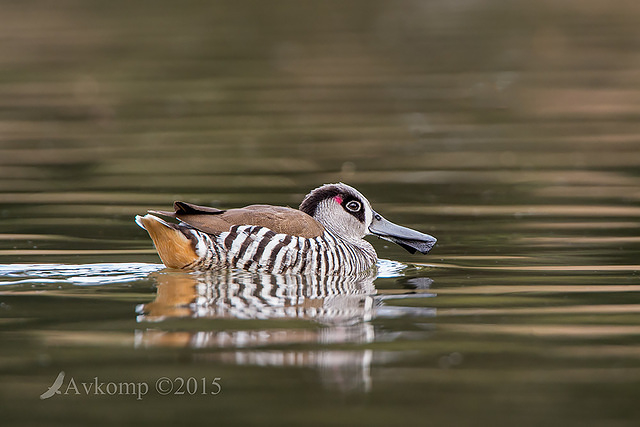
point(409, 239)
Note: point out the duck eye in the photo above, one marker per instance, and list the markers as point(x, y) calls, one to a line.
point(353, 206)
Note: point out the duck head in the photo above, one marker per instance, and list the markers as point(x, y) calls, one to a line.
point(345, 212)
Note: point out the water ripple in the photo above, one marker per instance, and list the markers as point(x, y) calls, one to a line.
point(83, 274)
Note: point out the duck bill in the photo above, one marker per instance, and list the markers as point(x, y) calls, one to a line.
point(409, 239)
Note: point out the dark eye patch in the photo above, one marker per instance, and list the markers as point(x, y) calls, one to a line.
point(353, 206)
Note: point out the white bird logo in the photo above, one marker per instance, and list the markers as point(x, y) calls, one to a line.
point(55, 387)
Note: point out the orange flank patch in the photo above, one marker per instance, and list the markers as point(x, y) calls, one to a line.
point(174, 248)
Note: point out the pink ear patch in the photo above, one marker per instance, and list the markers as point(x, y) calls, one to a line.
point(338, 199)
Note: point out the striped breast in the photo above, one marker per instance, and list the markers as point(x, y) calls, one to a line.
point(258, 248)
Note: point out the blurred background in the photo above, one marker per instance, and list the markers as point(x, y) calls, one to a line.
point(507, 129)
point(450, 102)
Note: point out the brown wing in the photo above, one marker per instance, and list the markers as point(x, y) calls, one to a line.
point(277, 218)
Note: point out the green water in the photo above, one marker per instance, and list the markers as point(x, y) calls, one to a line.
point(508, 130)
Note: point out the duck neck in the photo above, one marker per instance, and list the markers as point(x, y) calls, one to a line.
point(359, 246)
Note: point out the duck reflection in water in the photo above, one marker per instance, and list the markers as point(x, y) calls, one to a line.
point(342, 305)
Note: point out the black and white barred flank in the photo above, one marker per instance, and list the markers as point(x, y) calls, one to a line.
point(257, 248)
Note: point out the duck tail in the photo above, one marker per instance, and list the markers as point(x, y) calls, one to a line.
point(175, 244)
